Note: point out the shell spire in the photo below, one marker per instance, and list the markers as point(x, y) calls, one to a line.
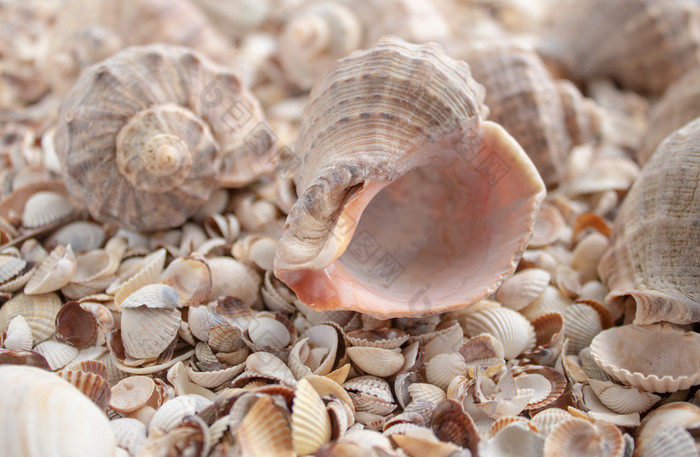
point(393, 137)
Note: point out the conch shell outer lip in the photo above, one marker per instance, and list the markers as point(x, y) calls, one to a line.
point(394, 154)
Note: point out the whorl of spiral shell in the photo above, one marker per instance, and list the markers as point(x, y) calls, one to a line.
point(395, 157)
point(654, 256)
point(146, 135)
point(547, 117)
point(644, 45)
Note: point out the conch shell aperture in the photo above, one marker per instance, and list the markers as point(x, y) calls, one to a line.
point(410, 203)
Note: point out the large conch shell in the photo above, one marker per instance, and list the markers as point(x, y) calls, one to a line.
point(643, 45)
point(654, 254)
point(545, 116)
point(394, 156)
point(145, 136)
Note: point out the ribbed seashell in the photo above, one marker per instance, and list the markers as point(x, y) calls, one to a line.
point(224, 226)
point(580, 437)
point(201, 320)
point(50, 417)
point(267, 364)
point(129, 433)
point(265, 431)
point(212, 379)
point(225, 338)
point(81, 235)
point(513, 330)
point(53, 273)
point(376, 361)
point(38, 310)
point(642, 45)
point(516, 438)
point(387, 338)
point(184, 137)
point(10, 266)
point(622, 399)
point(57, 354)
point(95, 387)
point(311, 425)
point(145, 272)
point(45, 208)
point(325, 386)
point(173, 411)
point(149, 321)
point(191, 278)
point(547, 419)
point(550, 332)
point(500, 399)
point(18, 281)
point(442, 368)
point(677, 107)
point(276, 295)
point(551, 301)
point(19, 335)
point(452, 424)
point(234, 279)
point(89, 365)
point(645, 356)
point(547, 383)
point(421, 441)
point(667, 431)
point(339, 187)
point(523, 288)
point(548, 228)
point(87, 32)
point(523, 97)
point(371, 394)
point(654, 224)
point(583, 322)
point(75, 326)
point(319, 33)
point(592, 370)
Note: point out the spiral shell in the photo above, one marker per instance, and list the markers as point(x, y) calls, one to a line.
point(145, 136)
point(654, 253)
point(393, 134)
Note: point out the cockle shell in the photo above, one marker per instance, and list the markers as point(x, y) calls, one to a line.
point(264, 431)
point(158, 155)
point(643, 45)
point(311, 425)
point(45, 208)
point(526, 101)
point(50, 417)
point(655, 358)
point(668, 430)
point(523, 288)
point(54, 272)
point(19, 335)
point(38, 310)
point(513, 330)
point(402, 161)
point(654, 253)
point(582, 438)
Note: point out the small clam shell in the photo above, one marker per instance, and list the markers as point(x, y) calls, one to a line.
point(133, 393)
point(44, 208)
point(649, 356)
point(201, 320)
point(585, 438)
point(129, 433)
point(49, 417)
point(311, 425)
point(376, 361)
point(551, 301)
point(583, 321)
point(147, 332)
point(53, 273)
point(190, 277)
point(276, 295)
point(387, 338)
point(371, 394)
point(173, 411)
point(148, 272)
point(81, 235)
point(212, 379)
point(523, 288)
point(94, 386)
point(326, 337)
point(154, 296)
point(549, 329)
point(266, 331)
point(75, 326)
point(548, 227)
point(38, 310)
point(547, 383)
point(57, 354)
point(10, 266)
point(19, 335)
point(264, 431)
point(622, 399)
point(452, 424)
point(267, 364)
point(441, 369)
point(232, 278)
point(225, 338)
point(587, 255)
point(421, 441)
point(659, 428)
point(513, 330)
point(517, 438)
point(547, 419)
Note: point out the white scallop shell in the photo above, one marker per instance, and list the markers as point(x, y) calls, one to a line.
point(523, 288)
point(441, 369)
point(19, 335)
point(622, 399)
point(38, 310)
point(513, 330)
point(44, 208)
point(173, 411)
point(57, 354)
point(147, 332)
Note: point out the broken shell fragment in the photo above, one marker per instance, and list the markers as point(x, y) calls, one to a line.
point(338, 249)
point(53, 273)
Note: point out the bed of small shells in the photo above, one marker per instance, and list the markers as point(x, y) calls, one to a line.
point(224, 360)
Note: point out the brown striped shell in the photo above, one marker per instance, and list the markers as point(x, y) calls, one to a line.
point(546, 117)
point(394, 156)
point(654, 254)
point(145, 136)
point(644, 45)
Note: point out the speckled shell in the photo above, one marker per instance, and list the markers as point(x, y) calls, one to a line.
point(546, 118)
point(654, 255)
point(145, 136)
point(643, 45)
point(679, 105)
point(394, 134)
point(88, 31)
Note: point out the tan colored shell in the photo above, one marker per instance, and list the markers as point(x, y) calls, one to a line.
point(420, 133)
point(654, 255)
point(320, 32)
point(511, 328)
point(523, 97)
point(45, 208)
point(668, 430)
point(38, 310)
point(49, 417)
point(86, 32)
point(54, 272)
point(643, 45)
point(311, 425)
point(678, 106)
point(655, 358)
point(179, 136)
point(582, 438)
